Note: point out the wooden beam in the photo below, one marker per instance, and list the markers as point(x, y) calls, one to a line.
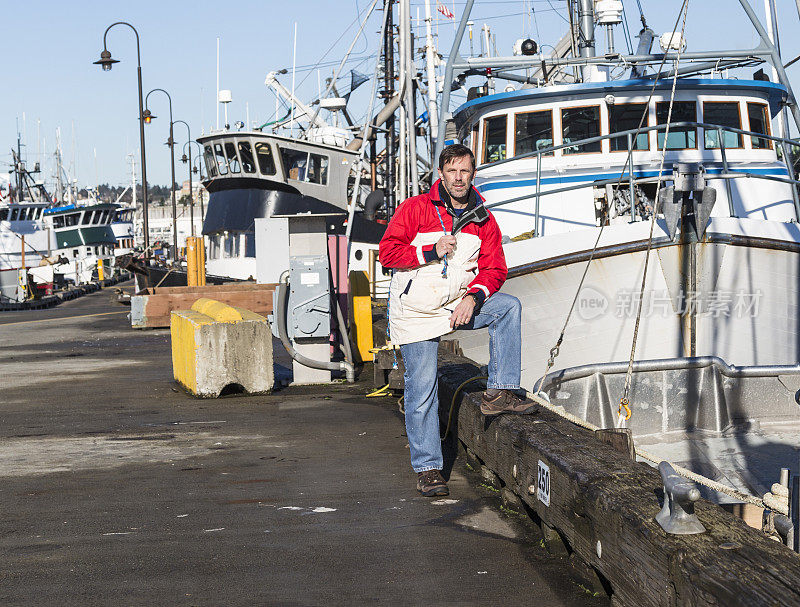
point(603, 505)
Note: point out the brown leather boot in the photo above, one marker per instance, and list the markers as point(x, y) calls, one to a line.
point(506, 401)
point(431, 483)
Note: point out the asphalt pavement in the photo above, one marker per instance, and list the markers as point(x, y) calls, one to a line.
point(118, 488)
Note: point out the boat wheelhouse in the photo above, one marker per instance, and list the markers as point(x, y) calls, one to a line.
point(522, 142)
point(83, 236)
point(122, 226)
point(253, 175)
point(24, 242)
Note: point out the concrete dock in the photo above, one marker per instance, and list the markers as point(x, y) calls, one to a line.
point(119, 488)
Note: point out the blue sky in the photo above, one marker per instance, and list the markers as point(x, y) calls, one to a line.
point(49, 48)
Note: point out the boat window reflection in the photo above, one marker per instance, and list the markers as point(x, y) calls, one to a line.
point(305, 166)
point(533, 131)
point(494, 139)
point(580, 123)
point(682, 137)
point(222, 163)
point(624, 117)
point(266, 162)
point(246, 154)
point(723, 113)
point(233, 159)
point(759, 123)
point(211, 165)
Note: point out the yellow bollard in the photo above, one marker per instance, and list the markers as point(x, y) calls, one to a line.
point(361, 305)
point(191, 261)
point(201, 261)
point(100, 273)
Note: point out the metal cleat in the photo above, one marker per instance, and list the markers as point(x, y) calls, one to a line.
point(677, 516)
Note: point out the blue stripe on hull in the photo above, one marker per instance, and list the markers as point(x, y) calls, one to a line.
point(500, 185)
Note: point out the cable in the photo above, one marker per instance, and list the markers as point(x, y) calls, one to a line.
point(453, 403)
point(624, 402)
point(554, 351)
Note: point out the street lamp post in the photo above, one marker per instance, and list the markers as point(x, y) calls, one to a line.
point(171, 144)
point(199, 168)
point(188, 159)
point(107, 63)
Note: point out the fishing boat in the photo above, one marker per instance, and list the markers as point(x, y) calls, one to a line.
point(81, 237)
point(123, 228)
point(650, 224)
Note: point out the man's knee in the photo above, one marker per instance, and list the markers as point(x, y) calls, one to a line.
point(511, 305)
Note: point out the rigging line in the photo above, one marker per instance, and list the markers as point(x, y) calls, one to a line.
point(554, 351)
point(641, 14)
point(626, 30)
point(341, 65)
point(330, 48)
point(629, 372)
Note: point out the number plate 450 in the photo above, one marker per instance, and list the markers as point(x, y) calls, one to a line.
point(543, 483)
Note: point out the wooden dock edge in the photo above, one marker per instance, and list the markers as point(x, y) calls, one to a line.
point(602, 505)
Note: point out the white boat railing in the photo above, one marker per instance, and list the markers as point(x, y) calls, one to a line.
point(627, 173)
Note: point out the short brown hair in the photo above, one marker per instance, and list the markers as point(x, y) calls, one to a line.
point(451, 152)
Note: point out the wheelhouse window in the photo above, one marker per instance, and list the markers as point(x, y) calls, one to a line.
point(626, 117)
point(759, 123)
point(246, 154)
point(72, 219)
point(58, 221)
point(533, 131)
point(580, 123)
point(3, 214)
point(494, 139)
point(680, 137)
point(305, 166)
point(222, 163)
point(266, 162)
point(233, 159)
point(723, 113)
point(473, 140)
point(211, 165)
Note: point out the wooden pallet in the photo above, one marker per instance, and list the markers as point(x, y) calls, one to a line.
point(151, 308)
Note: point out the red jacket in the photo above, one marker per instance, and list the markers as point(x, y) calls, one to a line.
point(419, 292)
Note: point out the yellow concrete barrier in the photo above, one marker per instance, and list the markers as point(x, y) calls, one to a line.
point(361, 306)
point(216, 346)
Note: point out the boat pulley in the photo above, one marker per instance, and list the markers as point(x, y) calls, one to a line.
point(688, 178)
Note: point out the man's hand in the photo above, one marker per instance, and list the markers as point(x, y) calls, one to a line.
point(463, 312)
point(446, 244)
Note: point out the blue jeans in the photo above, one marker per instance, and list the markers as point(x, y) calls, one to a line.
point(501, 313)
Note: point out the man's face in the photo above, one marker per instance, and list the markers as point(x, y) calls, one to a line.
point(457, 176)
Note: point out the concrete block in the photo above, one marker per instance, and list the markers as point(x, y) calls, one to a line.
point(216, 346)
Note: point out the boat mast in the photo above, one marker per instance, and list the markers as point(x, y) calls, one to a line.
point(430, 52)
point(586, 37)
point(388, 94)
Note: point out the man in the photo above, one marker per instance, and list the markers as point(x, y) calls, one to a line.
point(447, 279)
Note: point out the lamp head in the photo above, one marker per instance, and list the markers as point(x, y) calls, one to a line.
point(105, 60)
point(148, 116)
point(184, 159)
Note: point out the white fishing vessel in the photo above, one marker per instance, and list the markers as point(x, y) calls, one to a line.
point(123, 227)
point(574, 164)
point(82, 236)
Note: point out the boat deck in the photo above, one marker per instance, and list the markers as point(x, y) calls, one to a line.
point(748, 461)
point(118, 488)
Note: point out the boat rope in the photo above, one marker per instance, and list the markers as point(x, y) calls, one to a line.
point(624, 410)
point(685, 472)
point(554, 351)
